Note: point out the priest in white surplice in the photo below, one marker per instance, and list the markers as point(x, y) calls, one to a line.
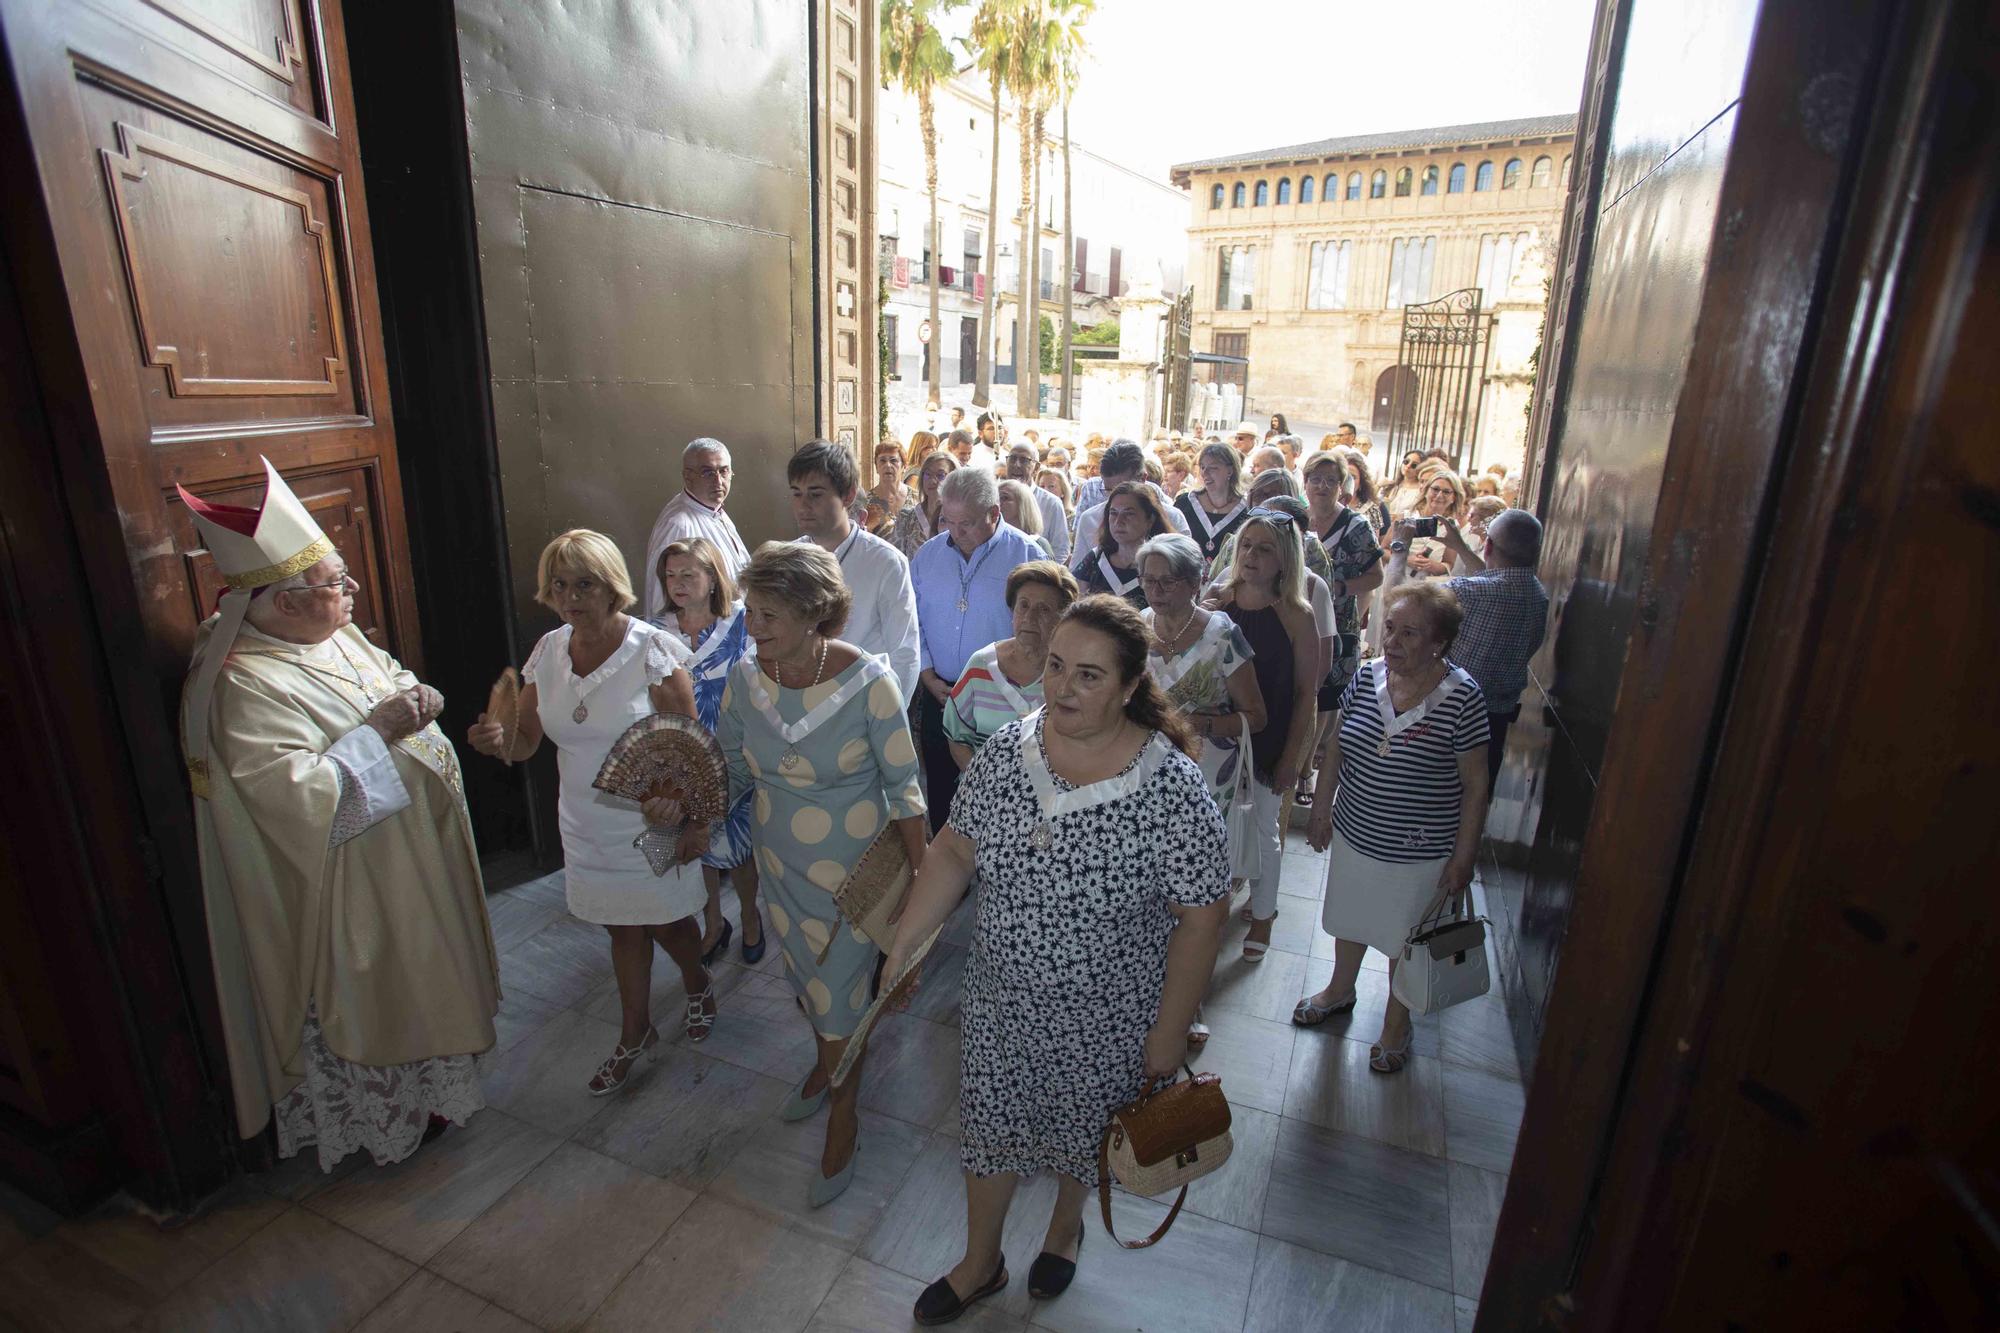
point(695, 512)
point(353, 957)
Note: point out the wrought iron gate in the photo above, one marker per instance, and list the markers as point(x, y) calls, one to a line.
point(1444, 347)
point(1177, 352)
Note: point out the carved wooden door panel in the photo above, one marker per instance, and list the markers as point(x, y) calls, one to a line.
point(201, 173)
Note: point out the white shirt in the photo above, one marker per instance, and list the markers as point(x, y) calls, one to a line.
point(1091, 519)
point(681, 518)
point(883, 622)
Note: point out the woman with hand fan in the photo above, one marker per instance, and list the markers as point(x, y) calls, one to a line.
point(585, 684)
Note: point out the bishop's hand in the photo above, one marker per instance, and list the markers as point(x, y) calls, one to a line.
point(399, 715)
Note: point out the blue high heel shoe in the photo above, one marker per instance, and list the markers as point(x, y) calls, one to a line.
point(753, 954)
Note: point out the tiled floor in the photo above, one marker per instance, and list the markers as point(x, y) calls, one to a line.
point(1353, 1201)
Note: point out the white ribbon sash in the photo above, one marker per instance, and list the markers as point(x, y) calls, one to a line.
point(1395, 724)
point(1209, 526)
point(1057, 804)
point(1111, 579)
point(794, 732)
point(1168, 673)
point(1015, 699)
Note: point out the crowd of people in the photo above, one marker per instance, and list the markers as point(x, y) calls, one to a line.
point(1084, 684)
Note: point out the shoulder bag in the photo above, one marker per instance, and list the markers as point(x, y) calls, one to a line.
point(1169, 1136)
point(1443, 961)
point(1246, 856)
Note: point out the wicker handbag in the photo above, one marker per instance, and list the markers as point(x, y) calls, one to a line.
point(1169, 1136)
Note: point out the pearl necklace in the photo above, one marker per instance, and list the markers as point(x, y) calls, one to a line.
point(1167, 643)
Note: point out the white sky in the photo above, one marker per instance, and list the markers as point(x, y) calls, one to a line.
point(1177, 80)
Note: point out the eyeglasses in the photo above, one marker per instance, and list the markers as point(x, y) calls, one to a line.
point(1161, 582)
point(340, 582)
point(711, 472)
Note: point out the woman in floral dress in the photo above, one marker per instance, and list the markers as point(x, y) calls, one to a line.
point(1103, 878)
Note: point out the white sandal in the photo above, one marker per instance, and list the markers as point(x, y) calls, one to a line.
point(699, 1019)
point(648, 1047)
point(1254, 950)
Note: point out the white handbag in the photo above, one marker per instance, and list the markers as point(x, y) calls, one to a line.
point(1443, 962)
point(1246, 854)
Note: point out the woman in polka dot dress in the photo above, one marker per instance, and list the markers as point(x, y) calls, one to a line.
point(816, 730)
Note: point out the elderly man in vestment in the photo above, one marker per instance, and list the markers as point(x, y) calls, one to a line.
point(353, 957)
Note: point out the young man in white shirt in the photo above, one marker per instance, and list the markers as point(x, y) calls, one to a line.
point(695, 512)
point(883, 621)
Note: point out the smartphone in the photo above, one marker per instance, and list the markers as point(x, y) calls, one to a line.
point(1423, 527)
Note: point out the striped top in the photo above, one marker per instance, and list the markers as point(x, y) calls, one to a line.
point(1404, 806)
point(984, 700)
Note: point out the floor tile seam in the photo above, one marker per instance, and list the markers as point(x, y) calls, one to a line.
point(176, 1288)
point(1443, 1157)
point(415, 1272)
point(1369, 1268)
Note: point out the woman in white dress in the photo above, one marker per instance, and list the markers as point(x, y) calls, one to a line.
point(585, 684)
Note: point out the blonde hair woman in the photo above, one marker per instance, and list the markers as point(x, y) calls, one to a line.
point(585, 683)
point(918, 523)
point(1265, 595)
point(1019, 508)
point(1444, 499)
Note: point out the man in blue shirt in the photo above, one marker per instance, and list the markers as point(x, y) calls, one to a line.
point(961, 583)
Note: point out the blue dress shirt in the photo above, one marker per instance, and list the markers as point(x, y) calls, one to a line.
point(941, 576)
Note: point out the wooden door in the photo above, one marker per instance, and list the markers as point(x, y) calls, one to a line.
point(200, 171)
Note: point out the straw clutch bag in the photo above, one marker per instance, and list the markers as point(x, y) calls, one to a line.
point(1171, 1136)
point(873, 889)
point(673, 756)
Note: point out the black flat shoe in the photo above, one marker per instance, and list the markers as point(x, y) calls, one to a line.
point(1050, 1275)
point(940, 1304)
point(715, 950)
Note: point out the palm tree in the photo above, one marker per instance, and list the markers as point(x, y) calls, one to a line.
point(1028, 80)
point(1068, 51)
point(989, 48)
point(915, 56)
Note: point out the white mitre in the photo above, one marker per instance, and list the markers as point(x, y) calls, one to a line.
point(253, 548)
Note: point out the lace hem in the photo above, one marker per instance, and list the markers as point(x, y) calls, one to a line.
point(342, 1106)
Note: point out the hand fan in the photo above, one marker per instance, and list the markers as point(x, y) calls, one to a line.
point(503, 705)
point(890, 993)
point(668, 755)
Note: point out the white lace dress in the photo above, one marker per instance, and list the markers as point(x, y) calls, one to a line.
point(605, 877)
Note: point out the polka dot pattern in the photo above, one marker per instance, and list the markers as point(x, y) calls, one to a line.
point(862, 820)
point(810, 825)
point(884, 699)
point(819, 996)
point(815, 933)
point(800, 774)
point(852, 756)
point(781, 920)
point(827, 875)
point(762, 806)
point(899, 750)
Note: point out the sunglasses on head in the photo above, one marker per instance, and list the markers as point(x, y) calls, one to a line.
point(1272, 516)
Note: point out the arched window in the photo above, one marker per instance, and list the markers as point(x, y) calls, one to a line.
point(1305, 189)
point(1285, 189)
point(1378, 185)
point(1263, 195)
point(1482, 179)
point(1332, 190)
point(1565, 181)
point(1510, 175)
point(1236, 196)
point(1353, 185)
point(1454, 183)
point(1215, 197)
point(1539, 178)
point(1430, 185)
point(1403, 183)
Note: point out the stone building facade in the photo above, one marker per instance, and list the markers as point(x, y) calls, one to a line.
point(1303, 257)
point(1130, 229)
